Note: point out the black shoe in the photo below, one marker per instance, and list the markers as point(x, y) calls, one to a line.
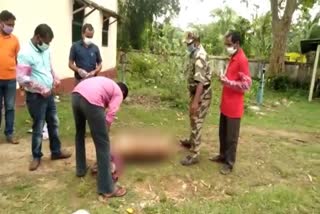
point(189, 160)
point(63, 155)
point(218, 159)
point(226, 169)
point(83, 173)
point(185, 143)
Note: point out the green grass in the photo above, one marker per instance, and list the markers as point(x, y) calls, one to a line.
point(274, 173)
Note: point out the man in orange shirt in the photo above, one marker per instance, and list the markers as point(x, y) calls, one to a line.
point(9, 47)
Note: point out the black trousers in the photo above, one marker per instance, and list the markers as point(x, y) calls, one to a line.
point(95, 115)
point(229, 129)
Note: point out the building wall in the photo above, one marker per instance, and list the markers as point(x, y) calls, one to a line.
point(109, 53)
point(58, 15)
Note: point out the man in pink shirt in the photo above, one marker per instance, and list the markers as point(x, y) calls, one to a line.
point(90, 98)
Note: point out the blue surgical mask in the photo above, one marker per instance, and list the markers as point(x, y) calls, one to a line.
point(191, 48)
point(43, 47)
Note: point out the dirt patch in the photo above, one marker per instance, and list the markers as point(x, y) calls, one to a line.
point(16, 158)
point(147, 101)
point(300, 137)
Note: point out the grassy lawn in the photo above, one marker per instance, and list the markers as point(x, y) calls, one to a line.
point(277, 171)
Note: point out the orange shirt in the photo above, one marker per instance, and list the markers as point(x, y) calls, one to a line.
point(9, 48)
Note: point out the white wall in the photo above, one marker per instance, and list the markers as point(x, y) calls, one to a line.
point(108, 54)
point(58, 15)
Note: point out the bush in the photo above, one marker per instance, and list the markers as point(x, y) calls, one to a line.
point(163, 74)
point(284, 84)
point(252, 93)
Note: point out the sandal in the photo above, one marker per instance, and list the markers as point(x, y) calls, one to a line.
point(118, 192)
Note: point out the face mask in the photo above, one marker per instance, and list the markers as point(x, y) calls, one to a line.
point(191, 48)
point(231, 50)
point(7, 29)
point(43, 47)
point(87, 41)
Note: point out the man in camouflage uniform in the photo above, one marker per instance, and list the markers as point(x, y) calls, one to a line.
point(199, 85)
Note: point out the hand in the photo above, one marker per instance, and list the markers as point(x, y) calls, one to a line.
point(46, 93)
point(28, 84)
point(56, 83)
point(194, 108)
point(223, 79)
point(83, 73)
point(91, 74)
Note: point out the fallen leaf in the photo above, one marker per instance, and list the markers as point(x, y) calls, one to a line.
point(27, 196)
point(130, 210)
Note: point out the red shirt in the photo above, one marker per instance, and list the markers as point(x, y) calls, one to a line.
point(232, 104)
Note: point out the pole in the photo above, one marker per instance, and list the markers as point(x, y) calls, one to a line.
point(315, 66)
point(261, 87)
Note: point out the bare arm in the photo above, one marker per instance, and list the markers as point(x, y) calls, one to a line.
point(98, 69)
point(72, 66)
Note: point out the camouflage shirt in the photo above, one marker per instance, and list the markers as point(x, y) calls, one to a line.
point(198, 70)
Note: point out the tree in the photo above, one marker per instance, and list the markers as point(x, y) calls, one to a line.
point(282, 11)
point(139, 15)
point(261, 36)
point(280, 29)
point(223, 20)
point(305, 28)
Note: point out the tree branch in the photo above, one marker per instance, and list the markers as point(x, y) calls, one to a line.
point(274, 10)
point(291, 6)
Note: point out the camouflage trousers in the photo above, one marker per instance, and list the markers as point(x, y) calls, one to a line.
point(197, 120)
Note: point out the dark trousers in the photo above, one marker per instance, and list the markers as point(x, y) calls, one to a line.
point(43, 109)
point(8, 98)
point(95, 115)
point(229, 129)
point(77, 81)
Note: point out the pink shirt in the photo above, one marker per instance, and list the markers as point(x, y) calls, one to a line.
point(101, 91)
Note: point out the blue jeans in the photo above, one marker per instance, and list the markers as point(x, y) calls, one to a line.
point(43, 109)
point(8, 98)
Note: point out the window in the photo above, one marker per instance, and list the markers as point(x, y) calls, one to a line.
point(77, 21)
point(105, 32)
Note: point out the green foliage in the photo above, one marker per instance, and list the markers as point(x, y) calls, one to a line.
point(138, 15)
point(164, 77)
point(163, 74)
point(165, 39)
point(252, 93)
point(284, 84)
point(256, 35)
point(260, 39)
point(305, 28)
point(139, 30)
point(280, 83)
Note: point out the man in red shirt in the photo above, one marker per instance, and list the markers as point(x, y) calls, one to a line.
point(235, 82)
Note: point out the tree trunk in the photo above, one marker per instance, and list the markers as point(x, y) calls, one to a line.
point(280, 30)
point(279, 44)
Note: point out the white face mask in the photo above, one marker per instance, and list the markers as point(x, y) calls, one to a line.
point(43, 47)
point(88, 41)
point(231, 50)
